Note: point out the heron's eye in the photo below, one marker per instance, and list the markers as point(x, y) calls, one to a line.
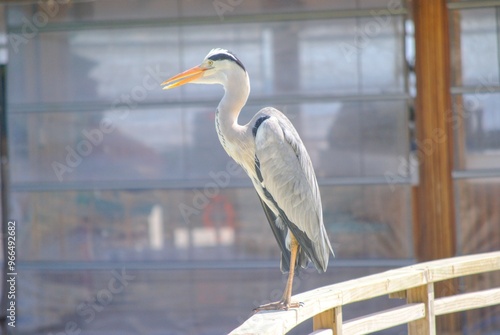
point(210, 62)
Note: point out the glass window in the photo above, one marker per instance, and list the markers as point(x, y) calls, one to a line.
point(90, 300)
point(478, 214)
point(118, 10)
point(352, 63)
point(141, 144)
point(356, 139)
point(476, 126)
point(475, 40)
point(111, 173)
point(478, 230)
point(208, 223)
point(362, 225)
point(344, 139)
point(476, 123)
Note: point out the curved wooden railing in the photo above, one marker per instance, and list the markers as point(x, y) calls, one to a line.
point(415, 283)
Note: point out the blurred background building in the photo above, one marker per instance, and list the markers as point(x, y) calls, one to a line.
point(114, 180)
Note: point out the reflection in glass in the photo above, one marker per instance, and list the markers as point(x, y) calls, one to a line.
point(478, 215)
point(478, 230)
point(476, 40)
point(476, 123)
point(207, 223)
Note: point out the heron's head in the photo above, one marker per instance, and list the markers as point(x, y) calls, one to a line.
point(216, 68)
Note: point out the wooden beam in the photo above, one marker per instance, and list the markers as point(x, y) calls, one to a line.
point(436, 225)
point(435, 236)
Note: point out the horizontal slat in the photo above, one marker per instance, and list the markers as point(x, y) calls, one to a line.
point(467, 301)
point(322, 332)
point(383, 320)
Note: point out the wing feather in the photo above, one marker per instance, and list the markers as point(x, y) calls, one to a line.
point(288, 175)
point(280, 235)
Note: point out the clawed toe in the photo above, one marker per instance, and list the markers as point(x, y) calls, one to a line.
point(278, 306)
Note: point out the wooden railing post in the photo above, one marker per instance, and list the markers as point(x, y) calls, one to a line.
point(423, 294)
point(329, 319)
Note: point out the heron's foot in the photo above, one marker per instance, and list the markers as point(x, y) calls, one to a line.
point(278, 306)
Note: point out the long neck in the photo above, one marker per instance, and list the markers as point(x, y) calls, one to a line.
point(237, 89)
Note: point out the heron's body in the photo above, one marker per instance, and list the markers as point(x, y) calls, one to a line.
point(271, 152)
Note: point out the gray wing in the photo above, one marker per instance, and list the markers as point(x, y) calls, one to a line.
point(280, 235)
point(288, 176)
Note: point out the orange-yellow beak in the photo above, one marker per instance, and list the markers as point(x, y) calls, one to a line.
point(184, 77)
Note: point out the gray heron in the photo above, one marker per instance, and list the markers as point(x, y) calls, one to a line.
point(271, 152)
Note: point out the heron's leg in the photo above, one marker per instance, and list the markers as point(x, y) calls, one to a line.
point(285, 302)
point(294, 248)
